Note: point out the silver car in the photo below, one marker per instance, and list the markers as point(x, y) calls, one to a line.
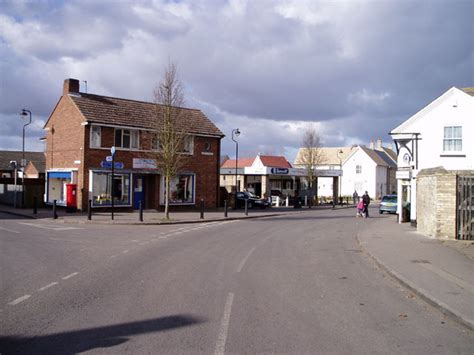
point(388, 204)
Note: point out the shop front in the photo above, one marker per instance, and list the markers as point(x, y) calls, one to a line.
point(56, 185)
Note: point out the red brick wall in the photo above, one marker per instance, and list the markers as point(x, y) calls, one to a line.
point(65, 139)
point(70, 142)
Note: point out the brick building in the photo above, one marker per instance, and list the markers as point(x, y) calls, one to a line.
point(81, 131)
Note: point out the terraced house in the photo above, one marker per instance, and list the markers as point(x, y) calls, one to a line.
point(81, 131)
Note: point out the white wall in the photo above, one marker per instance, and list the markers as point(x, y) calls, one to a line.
point(366, 181)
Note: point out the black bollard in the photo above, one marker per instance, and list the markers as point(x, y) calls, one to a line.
point(140, 206)
point(202, 209)
point(246, 207)
point(35, 205)
point(225, 208)
point(89, 210)
point(55, 215)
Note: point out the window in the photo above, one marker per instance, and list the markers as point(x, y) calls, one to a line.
point(452, 141)
point(155, 142)
point(181, 190)
point(126, 138)
point(95, 137)
point(188, 144)
point(358, 169)
point(102, 189)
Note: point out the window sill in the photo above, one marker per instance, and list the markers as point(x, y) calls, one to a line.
point(459, 155)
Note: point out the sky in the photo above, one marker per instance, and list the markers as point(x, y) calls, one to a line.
point(354, 69)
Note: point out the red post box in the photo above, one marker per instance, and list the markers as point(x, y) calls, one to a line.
point(71, 197)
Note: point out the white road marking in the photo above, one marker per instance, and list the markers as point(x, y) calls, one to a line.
point(163, 237)
point(48, 286)
point(222, 336)
point(113, 256)
point(449, 277)
point(125, 251)
point(9, 230)
point(70, 275)
point(56, 228)
point(242, 263)
point(19, 300)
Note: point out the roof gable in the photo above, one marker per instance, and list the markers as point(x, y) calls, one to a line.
point(242, 163)
point(37, 158)
point(274, 161)
point(404, 127)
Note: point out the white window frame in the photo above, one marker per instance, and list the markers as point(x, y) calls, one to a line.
point(134, 138)
point(452, 140)
point(155, 142)
point(188, 142)
point(92, 140)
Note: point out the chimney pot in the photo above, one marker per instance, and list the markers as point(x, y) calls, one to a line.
point(379, 143)
point(70, 85)
point(372, 144)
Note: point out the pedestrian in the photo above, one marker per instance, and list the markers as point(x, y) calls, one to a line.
point(355, 197)
point(366, 201)
point(360, 209)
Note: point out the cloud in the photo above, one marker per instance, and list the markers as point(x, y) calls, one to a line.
point(355, 68)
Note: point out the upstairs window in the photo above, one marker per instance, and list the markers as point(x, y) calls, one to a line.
point(188, 144)
point(358, 169)
point(452, 141)
point(95, 137)
point(155, 142)
point(126, 138)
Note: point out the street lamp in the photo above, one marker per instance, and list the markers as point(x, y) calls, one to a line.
point(23, 161)
point(339, 154)
point(236, 132)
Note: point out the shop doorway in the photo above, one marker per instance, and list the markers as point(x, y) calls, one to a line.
point(138, 191)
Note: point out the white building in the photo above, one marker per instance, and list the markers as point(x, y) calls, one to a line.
point(369, 169)
point(363, 169)
point(439, 135)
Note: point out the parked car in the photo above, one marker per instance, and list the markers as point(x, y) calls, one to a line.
point(252, 200)
point(388, 204)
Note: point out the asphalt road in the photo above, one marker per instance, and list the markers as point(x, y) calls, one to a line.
point(292, 284)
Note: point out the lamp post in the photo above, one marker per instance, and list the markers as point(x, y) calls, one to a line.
point(339, 154)
point(112, 152)
point(236, 132)
point(23, 161)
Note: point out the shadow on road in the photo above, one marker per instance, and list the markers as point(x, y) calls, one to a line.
point(78, 341)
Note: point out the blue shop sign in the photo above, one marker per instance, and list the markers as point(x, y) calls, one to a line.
point(279, 171)
point(108, 164)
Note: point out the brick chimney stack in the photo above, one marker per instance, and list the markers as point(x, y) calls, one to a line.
point(379, 144)
point(372, 144)
point(70, 86)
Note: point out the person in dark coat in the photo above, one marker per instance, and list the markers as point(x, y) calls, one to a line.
point(366, 201)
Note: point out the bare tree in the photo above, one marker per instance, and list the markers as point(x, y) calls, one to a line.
point(311, 156)
point(170, 130)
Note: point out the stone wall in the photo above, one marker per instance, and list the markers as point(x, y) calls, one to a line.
point(436, 202)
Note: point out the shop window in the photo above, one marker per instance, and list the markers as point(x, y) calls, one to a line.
point(452, 141)
point(95, 137)
point(181, 190)
point(56, 186)
point(127, 138)
point(102, 188)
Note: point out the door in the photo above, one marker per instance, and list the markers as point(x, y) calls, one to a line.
point(138, 191)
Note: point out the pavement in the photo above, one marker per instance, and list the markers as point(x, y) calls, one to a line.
point(437, 271)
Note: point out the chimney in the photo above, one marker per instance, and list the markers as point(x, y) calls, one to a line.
point(372, 144)
point(379, 144)
point(70, 86)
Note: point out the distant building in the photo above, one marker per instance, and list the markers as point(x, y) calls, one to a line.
point(34, 168)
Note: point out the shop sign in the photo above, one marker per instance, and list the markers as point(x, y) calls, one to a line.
point(403, 174)
point(279, 171)
point(144, 163)
point(108, 164)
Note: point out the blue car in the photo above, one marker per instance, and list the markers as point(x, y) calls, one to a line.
point(388, 204)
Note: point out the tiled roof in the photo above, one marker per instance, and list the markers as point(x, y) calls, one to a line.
point(275, 161)
point(123, 112)
point(469, 91)
point(379, 157)
point(242, 163)
point(37, 158)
